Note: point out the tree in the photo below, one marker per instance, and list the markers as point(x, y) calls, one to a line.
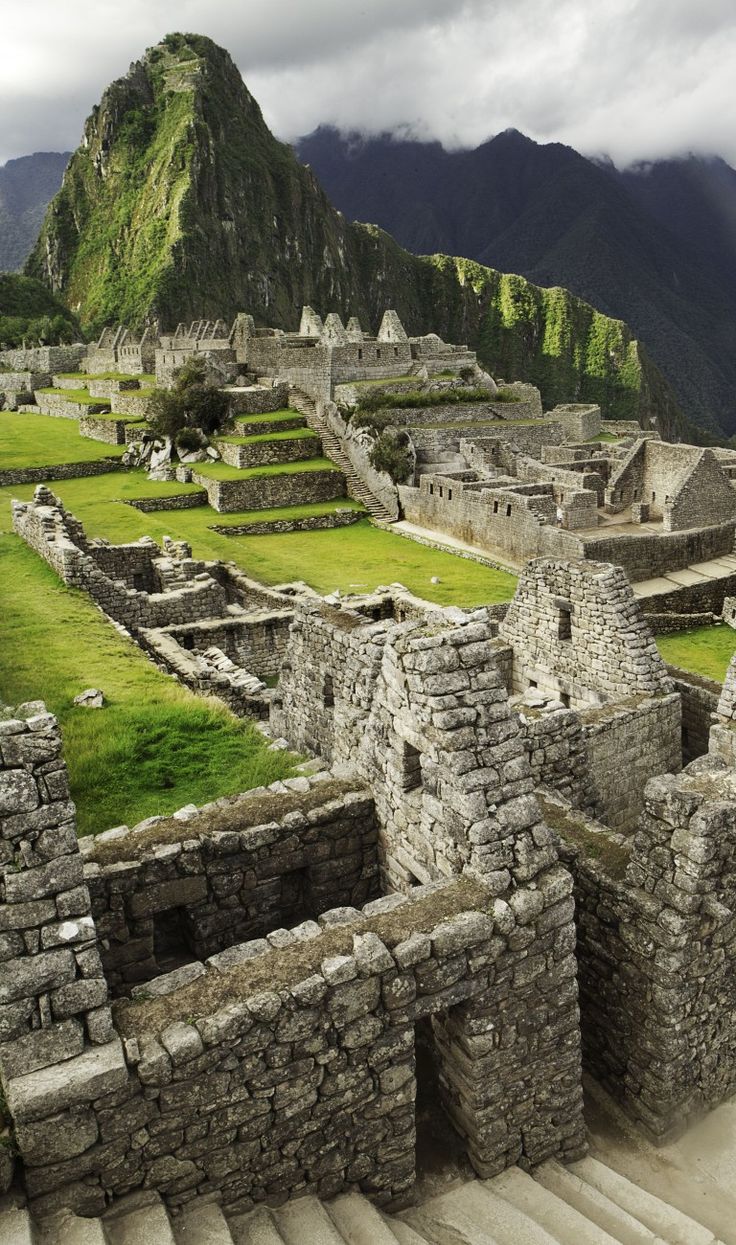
point(192, 410)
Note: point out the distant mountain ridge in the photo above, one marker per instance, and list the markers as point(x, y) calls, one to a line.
point(180, 204)
point(654, 245)
point(27, 185)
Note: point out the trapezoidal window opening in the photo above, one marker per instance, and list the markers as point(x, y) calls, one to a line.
point(411, 767)
point(328, 692)
point(564, 623)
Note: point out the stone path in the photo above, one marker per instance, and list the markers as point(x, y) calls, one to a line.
point(697, 573)
point(443, 541)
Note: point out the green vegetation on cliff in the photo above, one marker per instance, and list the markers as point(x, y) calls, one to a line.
point(29, 312)
point(180, 204)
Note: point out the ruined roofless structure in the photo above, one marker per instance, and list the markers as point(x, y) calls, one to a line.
point(160, 980)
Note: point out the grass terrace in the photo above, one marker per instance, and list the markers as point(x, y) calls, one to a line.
point(289, 434)
point(75, 395)
point(353, 559)
point(269, 417)
point(42, 441)
point(706, 651)
point(143, 378)
point(223, 471)
point(154, 747)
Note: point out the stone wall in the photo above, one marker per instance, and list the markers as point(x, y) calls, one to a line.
point(302, 364)
point(60, 1057)
point(682, 485)
point(45, 359)
point(263, 453)
point(577, 631)
point(635, 739)
point(304, 1081)
point(285, 1065)
point(177, 501)
point(705, 597)
point(699, 699)
point(578, 421)
point(508, 528)
point(61, 471)
point(555, 746)
point(246, 866)
point(655, 953)
point(315, 523)
point(258, 400)
point(266, 492)
point(647, 556)
point(111, 431)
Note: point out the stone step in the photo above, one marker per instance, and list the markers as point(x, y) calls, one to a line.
point(563, 1221)
point(15, 1227)
point(358, 1221)
point(66, 1228)
point(474, 1214)
point(255, 1228)
point(405, 1235)
point(304, 1221)
point(593, 1204)
point(661, 1219)
point(202, 1225)
point(139, 1219)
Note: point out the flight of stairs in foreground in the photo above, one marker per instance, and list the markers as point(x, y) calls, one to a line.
point(587, 1203)
point(332, 448)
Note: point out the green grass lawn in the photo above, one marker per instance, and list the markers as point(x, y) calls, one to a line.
point(703, 650)
point(288, 434)
point(268, 417)
point(154, 746)
point(143, 378)
point(42, 441)
point(80, 396)
point(356, 558)
point(223, 471)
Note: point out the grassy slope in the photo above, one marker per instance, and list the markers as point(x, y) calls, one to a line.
point(42, 441)
point(359, 557)
point(703, 650)
point(154, 747)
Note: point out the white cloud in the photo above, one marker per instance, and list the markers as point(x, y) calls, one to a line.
point(634, 78)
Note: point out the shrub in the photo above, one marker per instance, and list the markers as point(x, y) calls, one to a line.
point(192, 410)
point(391, 452)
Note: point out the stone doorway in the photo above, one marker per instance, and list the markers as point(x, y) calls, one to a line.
point(441, 1152)
point(172, 940)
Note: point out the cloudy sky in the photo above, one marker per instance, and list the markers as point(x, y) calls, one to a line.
point(635, 79)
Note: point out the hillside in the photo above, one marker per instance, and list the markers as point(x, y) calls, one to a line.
point(28, 310)
point(26, 186)
point(654, 246)
point(180, 204)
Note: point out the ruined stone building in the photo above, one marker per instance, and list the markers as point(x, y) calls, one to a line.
point(226, 1004)
point(508, 858)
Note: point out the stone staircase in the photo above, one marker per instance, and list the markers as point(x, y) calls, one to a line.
point(357, 488)
point(587, 1203)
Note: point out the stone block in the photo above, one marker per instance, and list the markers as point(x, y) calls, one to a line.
point(41, 1047)
point(35, 974)
point(61, 1137)
point(18, 792)
point(176, 894)
point(91, 1075)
